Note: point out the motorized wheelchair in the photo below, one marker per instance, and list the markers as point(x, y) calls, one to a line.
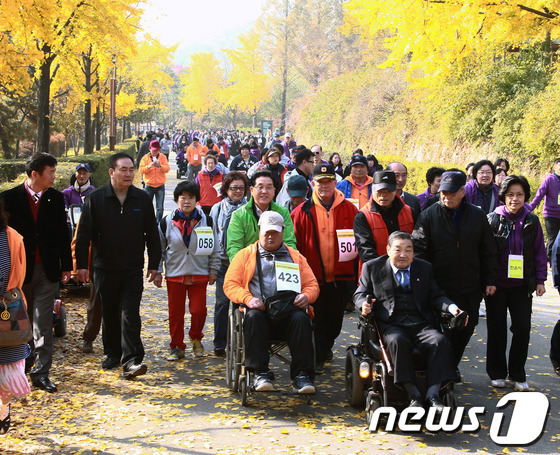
point(369, 372)
point(238, 378)
point(182, 165)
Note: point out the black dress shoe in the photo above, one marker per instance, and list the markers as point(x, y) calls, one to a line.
point(110, 362)
point(416, 402)
point(556, 367)
point(135, 370)
point(45, 384)
point(434, 402)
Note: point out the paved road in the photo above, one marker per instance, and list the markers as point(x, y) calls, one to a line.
point(185, 408)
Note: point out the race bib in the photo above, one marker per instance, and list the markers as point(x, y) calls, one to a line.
point(195, 157)
point(287, 276)
point(558, 198)
point(356, 202)
point(204, 241)
point(515, 266)
point(218, 187)
point(347, 250)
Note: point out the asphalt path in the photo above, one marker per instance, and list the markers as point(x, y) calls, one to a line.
point(185, 407)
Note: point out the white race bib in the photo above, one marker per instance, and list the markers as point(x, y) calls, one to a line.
point(195, 157)
point(204, 241)
point(347, 250)
point(287, 276)
point(356, 202)
point(515, 266)
point(218, 187)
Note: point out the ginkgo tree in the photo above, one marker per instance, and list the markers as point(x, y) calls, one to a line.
point(44, 36)
point(249, 85)
point(434, 36)
point(202, 83)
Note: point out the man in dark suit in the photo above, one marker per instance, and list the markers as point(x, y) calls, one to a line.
point(37, 212)
point(405, 296)
point(118, 220)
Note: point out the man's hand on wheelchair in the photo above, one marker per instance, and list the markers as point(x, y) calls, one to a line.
point(255, 304)
point(301, 301)
point(456, 311)
point(367, 306)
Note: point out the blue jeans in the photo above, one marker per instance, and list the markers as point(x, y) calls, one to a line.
point(221, 311)
point(159, 192)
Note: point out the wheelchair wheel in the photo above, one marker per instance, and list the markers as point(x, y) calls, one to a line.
point(244, 386)
point(231, 377)
point(373, 402)
point(354, 383)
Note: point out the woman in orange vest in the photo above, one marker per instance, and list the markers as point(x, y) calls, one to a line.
point(210, 181)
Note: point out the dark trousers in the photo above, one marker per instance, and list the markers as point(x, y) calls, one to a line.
point(401, 339)
point(519, 303)
point(39, 294)
point(555, 344)
point(552, 226)
point(221, 310)
point(329, 314)
point(295, 329)
point(460, 338)
point(120, 294)
point(94, 314)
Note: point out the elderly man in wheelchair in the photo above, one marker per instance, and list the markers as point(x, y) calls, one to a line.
point(274, 286)
point(401, 295)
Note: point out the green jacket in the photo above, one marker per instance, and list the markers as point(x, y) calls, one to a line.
point(243, 229)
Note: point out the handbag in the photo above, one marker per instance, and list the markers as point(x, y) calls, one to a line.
point(15, 328)
point(280, 305)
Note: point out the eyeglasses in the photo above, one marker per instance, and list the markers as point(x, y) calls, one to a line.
point(264, 188)
point(316, 153)
point(512, 195)
point(237, 188)
point(484, 173)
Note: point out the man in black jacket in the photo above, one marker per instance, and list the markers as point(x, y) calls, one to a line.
point(37, 212)
point(456, 238)
point(118, 219)
point(404, 297)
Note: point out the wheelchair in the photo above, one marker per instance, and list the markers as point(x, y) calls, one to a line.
point(238, 378)
point(369, 374)
point(181, 168)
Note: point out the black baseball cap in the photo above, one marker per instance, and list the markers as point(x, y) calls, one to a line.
point(323, 171)
point(358, 159)
point(384, 180)
point(452, 181)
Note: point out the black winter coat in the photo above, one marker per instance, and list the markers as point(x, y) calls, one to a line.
point(464, 260)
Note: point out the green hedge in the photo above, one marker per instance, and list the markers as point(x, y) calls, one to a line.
point(12, 172)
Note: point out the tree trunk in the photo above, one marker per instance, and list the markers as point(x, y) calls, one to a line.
point(43, 104)
point(98, 128)
point(88, 130)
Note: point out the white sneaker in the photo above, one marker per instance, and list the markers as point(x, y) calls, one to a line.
point(500, 383)
point(521, 386)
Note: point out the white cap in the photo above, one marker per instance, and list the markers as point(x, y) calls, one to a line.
point(271, 221)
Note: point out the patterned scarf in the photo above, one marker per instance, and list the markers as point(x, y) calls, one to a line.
point(186, 223)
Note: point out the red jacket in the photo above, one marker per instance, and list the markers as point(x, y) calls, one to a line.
point(306, 226)
point(208, 194)
point(376, 234)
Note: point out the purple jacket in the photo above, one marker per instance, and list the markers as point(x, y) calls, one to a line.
point(256, 153)
point(549, 189)
point(478, 198)
point(517, 247)
point(288, 146)
point(72, 197)
point(423, 197)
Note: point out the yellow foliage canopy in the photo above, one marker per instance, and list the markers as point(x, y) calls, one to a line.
point(438, 34)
